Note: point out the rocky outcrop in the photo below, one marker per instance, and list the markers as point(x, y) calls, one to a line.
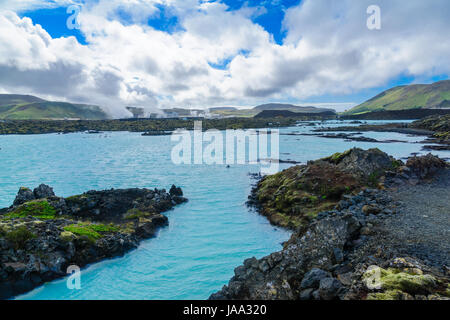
point(42, 234)
point(25, 194)
point(293, 197)
point(340, 254)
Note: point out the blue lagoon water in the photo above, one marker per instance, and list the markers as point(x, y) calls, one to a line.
point(206, 238)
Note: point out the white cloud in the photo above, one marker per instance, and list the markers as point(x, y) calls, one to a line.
point(20, 5)
point(327, 50)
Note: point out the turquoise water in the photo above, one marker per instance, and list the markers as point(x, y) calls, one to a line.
point(207, 237)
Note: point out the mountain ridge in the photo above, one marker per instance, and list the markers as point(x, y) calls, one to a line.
point(416, 96)
point(28, 107)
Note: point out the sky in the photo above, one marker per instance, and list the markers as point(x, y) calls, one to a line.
point(201, 54)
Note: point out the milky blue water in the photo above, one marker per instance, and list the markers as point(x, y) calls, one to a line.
point(206, 238)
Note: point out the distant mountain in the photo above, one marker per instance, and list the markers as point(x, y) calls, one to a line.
point(25, 107)
point(290, 114)
point(290, 107)
point(416, 96)
point(16, 99)
point(222, 109)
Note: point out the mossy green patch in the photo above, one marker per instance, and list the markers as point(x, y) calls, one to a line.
point(92, 231)
point(103, 228)
point(337, 157)
point(387, 295)
point(83, 231)
point(395, 279)
point(67, 236)
point(38, 208)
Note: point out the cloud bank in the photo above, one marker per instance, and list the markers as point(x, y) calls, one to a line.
point(216, 56)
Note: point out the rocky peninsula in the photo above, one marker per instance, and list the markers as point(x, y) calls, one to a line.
point(366, 227)
point(42, 234)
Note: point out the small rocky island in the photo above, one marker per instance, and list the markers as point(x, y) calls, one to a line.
point(42, 234)
point(366, 226)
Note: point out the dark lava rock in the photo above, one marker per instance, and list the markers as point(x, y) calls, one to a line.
point(329, 288)
point(43, 191)
point(24, 195)
point(175, 191)
point(313, 277)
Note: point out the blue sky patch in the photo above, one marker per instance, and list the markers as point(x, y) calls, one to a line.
point(54, 21)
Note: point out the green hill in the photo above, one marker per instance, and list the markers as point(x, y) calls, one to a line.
point(416, 96)
point(24, 107)
point(228, 111)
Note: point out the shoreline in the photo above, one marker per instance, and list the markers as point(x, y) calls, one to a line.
point(334, 255)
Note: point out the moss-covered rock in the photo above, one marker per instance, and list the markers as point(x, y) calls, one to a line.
point(67, 236)
point(387, 295)
point(293, 197)
point(37, 208)
point(392, 282)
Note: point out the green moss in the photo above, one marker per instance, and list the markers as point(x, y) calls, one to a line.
point(337, 157)
point(19, 236)
point(136, 214)
point(103, 228)
point(67, 236)
point(83, 231)
point(395, 279)
point(92, 231)
point(410, 283)
point(388, 295)
point(39, 209)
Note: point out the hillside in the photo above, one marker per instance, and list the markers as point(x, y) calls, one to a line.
point(229, 111)
point(25, 107)
point(289, 114)
point(433, 96)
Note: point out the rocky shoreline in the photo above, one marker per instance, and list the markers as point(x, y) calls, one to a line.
point(362, 248)
point(42, 234)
